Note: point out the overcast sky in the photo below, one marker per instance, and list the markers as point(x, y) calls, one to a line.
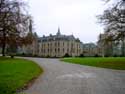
point(77, 17)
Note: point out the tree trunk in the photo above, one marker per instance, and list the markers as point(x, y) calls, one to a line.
point(4, 43)
point(3, 49)
point(123, 47)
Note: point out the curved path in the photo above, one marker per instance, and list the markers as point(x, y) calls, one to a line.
point(64, 78)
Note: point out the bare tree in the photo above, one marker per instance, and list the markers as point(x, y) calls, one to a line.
point(114, 21)
point(13, 23)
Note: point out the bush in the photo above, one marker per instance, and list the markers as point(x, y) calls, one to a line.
point(66, 55)
point(115, 55)
point(81, 55)
point(35, 55)
point(47, 56)
point(96, 55)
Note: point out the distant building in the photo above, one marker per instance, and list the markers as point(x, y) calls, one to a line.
point(59, 45)
point(90, 49)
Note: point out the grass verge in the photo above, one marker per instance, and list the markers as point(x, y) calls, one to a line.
point(16, 73)
point(110, 62)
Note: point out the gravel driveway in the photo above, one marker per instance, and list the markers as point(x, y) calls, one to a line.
point(64, 78)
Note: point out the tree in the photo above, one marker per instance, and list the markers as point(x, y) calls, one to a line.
point(105, 43)
point(14, 21)
point(120, 1)
point(114, 21)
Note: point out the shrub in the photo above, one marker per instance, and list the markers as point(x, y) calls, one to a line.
point(81, 55)
point(96, 55)
point(66, 55)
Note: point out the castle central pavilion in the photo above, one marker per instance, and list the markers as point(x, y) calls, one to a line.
point(59, 45)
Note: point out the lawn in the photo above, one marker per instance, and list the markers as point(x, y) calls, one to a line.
point(16, 73)
point(109, 62)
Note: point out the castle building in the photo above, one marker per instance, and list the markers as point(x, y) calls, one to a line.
point(59, 45)
point(90, 49)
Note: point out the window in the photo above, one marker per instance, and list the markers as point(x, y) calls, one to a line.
point(58, 50)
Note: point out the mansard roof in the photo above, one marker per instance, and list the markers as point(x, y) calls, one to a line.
point(58, 37)
point(89, 45)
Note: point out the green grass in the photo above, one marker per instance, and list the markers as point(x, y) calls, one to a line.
point(111, 63)
point(16, 73)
